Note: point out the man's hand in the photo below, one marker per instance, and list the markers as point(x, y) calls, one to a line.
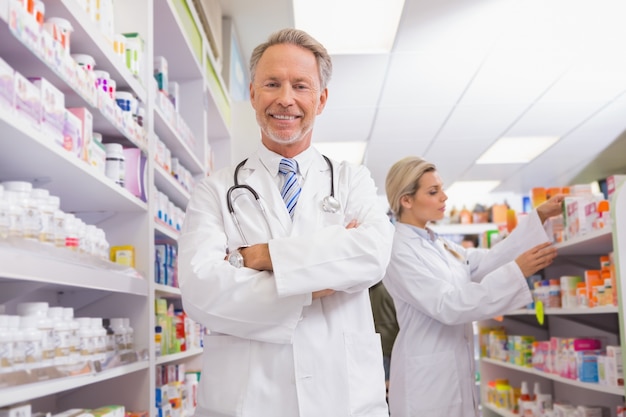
point(535, 259)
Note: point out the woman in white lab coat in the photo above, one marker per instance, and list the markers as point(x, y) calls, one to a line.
point(289, 315)
point(439, 288)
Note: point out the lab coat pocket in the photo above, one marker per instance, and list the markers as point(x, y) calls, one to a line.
point(433, 382)
point(366, 374)
point(225, 365)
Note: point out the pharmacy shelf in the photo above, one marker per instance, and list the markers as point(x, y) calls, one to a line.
point(25, 264)
point(586, 385)
point(501, 411)
point(27, 392)
point(36, 158)
point(168, 185)
point(596, 242)
point(567, 311)
point(179, 149)
point(463, 229)
point(174, 357)
point(166, 291)
point(166, 232)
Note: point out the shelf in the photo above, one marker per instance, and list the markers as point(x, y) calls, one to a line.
point(27, 263)
point(597, 242)
point(463, 229)
point(163, 231)
point(166, 291)
point(21, 393)
point(501, 411)
point(567, 311)
point(178, 356)
point(168, 185)
point(34, 157)
point(170, 42)
point(88, 39)
point(166, 132)
point(586, 385)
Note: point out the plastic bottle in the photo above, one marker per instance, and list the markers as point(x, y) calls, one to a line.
point(39, 310)
point(7, 341)
point(110, 337)
point(524, 399)
point(86, 337)
point(74, 338)
point(554, 293)
point(48, 208)
point(114, 167)
point(16, 193)
point(130, 334)
point(4, 214)
point(62, 336)
point(31, 342)
point(19, 348)
point(71, 232)
point(100, 338)
point(59, 228)
point(33, 215)
point(117, 325)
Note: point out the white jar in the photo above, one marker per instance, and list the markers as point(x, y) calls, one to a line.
point(39, 310)
point(100, 335)
point(34, 214)
point(115, 167)
point(85, 61)
point(130, 334)
point(117, 325)
point(59, 228)
point(16, 193)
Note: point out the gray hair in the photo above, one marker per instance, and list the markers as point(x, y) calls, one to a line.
point(298, 38)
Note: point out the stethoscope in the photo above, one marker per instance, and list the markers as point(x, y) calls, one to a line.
point(329, 203)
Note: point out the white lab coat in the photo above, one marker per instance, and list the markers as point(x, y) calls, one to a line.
point(437, 297)
point(272, 350)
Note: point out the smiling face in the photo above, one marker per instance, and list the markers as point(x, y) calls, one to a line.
point(427, 204)
point(286, 96)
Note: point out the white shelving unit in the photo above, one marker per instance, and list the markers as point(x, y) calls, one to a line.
point(605, 322)
point(30, 271)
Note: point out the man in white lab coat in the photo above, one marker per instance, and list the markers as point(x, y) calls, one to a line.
point(286, 299)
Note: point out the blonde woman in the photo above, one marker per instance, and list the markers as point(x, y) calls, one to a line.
point(439, 288)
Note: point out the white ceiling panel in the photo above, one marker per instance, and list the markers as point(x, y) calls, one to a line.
point(345, 124)
point(428, 78)
point(464, 72)
point(350, 88)
point(408, 123)
point(482, 123)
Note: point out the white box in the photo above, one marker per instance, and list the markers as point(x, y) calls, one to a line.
point(52, 113)
point(27, 102)
point(7, 86)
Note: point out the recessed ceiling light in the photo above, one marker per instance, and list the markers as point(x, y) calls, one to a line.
point(516, 150)
point(343, 151)
point(350, 26)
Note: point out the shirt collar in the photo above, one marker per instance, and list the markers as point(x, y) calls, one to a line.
point(271, 160)
point(425, 233)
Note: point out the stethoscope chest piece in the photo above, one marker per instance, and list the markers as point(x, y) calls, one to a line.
point(330, 204)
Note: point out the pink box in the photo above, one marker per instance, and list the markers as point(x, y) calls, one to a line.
point(82, 150)
point(72, 139)
point(135, 172)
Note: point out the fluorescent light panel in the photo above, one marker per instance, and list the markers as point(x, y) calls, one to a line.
point(343, 151)
point(516, 150)
point(469, 190)
point(350, 26)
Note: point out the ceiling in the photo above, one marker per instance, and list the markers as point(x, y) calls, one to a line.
point(463, 73)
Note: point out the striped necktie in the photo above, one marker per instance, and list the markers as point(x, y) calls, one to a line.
point(291, 188)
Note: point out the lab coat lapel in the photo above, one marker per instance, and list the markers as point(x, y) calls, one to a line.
point(262, 182)
point(316, 185)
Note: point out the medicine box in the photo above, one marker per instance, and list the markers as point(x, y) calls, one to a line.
point(72, 133)
point(52, 115)
point(27, 101)
point(135, 172)
point(87, 131)
point(23, 410)
point(7, 87)
point(97, 156)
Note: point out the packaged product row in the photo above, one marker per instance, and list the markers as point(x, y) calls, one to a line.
point(176, 390)
point(521, 401)
point(175, 332)
point(36, 336)
point(115, 410)
point(585, 359)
